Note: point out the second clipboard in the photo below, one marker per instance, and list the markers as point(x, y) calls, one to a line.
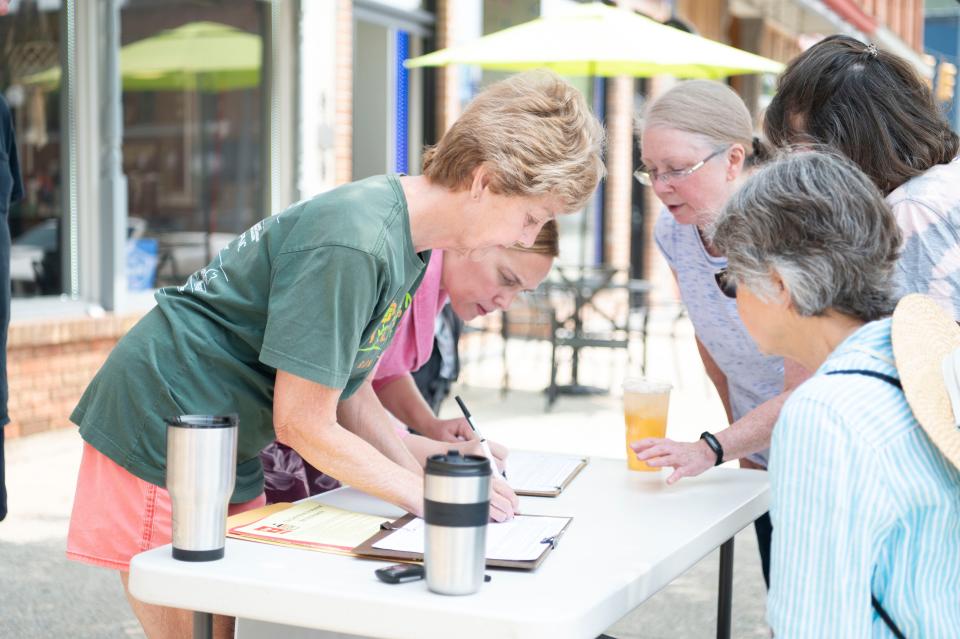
point(523, 468)
point(369, 547)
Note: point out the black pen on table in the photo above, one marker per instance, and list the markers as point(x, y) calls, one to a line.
point(483, 440)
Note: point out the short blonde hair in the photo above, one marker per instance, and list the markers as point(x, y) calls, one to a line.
point(536, 135)
point(710, 110)
point(546, 243)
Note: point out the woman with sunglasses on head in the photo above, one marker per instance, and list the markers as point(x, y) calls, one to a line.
point(865, 508)
point(697, 147)
point(872, 107)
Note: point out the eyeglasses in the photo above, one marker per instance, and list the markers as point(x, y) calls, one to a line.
point(726, 283)
point(647, 178)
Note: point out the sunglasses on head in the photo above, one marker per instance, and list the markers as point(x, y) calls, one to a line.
point(726, 284)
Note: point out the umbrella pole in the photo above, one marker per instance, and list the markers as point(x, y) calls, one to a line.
point(204, 187)
point(217, 172)
point(599, 109)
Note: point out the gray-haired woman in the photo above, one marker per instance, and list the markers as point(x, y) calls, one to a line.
point(863, 505)
point(698, 148)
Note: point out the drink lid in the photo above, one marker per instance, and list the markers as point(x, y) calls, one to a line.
point(203, 421)
point(453, 464)
point(646, 385)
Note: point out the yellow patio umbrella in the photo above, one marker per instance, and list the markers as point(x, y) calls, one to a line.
point(204, 56)
point(599, 40)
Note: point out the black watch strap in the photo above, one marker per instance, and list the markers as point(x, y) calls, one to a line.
point(714, 445)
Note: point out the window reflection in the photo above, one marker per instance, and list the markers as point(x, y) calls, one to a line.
point(192, 140)
point(30, 46)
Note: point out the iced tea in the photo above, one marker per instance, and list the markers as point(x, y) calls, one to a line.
point(645, 404)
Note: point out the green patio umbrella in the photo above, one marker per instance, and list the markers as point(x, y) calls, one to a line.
point(206, 56)
point(599, 40)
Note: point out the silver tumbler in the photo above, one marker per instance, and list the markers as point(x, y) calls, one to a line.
point(201, 472)
point(456, 493)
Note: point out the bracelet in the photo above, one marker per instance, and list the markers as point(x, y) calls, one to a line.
point(714, 445)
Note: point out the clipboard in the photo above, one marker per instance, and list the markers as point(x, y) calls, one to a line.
point(554, 492)
point(367, 549)
point(341, 544)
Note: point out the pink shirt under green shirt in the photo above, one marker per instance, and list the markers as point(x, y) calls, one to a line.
point(413, 338)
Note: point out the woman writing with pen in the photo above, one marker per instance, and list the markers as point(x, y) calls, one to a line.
point(484, 444)
point(285, 326)
point(474, 284)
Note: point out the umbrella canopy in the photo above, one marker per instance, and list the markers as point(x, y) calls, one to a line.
point(598, 40)
point(207, 56)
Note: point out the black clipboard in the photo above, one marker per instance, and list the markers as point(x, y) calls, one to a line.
point(366, 549)
point(559, 489)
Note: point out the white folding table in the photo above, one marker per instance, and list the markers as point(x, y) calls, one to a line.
point(631, 535)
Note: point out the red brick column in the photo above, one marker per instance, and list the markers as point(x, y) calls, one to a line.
point(617, 192)
point(448, 99)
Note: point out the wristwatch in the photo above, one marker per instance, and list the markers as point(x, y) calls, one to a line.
point(714, 445)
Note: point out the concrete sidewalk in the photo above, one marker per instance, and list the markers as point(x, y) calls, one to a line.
point(44, 595)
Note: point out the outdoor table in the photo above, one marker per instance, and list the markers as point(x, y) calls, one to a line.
point(631, 535)
point(583, 284)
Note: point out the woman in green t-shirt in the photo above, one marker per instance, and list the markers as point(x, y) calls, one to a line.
point(285, 324)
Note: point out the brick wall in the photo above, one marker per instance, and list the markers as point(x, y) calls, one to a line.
point(618, 186)
point(448, 97)
point(50, 363)
point(709, 17)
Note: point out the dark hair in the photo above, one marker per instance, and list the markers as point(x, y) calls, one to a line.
point(865, 102)
point(760, 154)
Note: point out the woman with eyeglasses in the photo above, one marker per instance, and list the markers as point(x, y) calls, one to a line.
point(697, 147)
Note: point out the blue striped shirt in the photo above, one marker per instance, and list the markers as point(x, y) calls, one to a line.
point(861, 502)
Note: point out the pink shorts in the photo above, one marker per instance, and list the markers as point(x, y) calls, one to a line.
point(117, 515)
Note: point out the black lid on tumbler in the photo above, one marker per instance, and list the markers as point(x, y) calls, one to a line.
point(203, 421)
point(453, 464)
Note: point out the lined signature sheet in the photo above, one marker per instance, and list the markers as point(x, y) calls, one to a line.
point(520, 539)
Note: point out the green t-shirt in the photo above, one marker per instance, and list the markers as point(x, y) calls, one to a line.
point(315, 291)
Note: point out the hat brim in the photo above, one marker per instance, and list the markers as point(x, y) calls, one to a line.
point(923, 335)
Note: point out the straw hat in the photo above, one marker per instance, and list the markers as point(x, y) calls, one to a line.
point(924, 336)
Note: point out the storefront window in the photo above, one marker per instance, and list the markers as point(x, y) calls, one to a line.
point(193, 133)
point(387, 100)
point(29, 50)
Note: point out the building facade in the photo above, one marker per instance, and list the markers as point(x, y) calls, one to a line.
point(140, 162)
point(942, 42)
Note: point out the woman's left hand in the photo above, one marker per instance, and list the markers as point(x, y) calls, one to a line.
point(447, 430)
point(688, 459)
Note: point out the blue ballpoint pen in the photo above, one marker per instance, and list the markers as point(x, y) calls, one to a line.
point(483, 440)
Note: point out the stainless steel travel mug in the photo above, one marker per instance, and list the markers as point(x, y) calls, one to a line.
point(456, 493)
point(201, 472)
